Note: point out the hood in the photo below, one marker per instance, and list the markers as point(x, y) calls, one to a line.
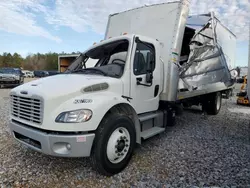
point(67, 84)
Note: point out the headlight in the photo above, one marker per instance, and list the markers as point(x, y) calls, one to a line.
point(76, 116)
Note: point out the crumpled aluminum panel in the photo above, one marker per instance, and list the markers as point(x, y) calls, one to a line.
point(205, 59)
point(206, 63)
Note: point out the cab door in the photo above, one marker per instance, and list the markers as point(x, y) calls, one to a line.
point(145, 76)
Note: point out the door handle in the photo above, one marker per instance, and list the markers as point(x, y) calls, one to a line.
point(156, 90)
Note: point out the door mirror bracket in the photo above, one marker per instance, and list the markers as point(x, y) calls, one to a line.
point(138, 82)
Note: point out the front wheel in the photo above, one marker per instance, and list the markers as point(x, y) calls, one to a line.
point(114, 144)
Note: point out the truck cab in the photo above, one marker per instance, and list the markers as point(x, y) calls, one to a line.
point(64, 120)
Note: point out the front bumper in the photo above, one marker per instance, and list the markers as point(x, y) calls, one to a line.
point(9, 82)
point(55, 144)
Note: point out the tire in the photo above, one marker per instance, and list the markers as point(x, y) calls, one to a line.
point(105, 150)
point(186, 105)
point(178, 110)
point(213, 105)
point(171, 114)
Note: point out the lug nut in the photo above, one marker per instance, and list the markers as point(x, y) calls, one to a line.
point(118, 154)
point(126, 140)
point(126, 145)
point(125, 150)
point(122, 154)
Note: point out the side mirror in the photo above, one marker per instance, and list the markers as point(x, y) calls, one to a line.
point(150, 61)
point(234, 73)
point(149, 77)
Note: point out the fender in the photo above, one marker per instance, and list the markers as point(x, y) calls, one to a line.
point(98, 102)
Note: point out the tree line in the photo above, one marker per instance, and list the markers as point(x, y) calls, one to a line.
point(38, 61)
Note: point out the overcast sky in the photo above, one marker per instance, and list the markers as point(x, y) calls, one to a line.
point(30, 26)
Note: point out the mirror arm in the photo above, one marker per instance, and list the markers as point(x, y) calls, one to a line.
point(147, 85)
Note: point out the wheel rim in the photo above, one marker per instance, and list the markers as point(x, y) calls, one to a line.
point(218, 102)
point(118, 145)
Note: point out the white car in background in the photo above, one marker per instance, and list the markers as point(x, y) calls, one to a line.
point(28, 74)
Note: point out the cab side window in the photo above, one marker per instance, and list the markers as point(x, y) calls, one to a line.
point(140, 59)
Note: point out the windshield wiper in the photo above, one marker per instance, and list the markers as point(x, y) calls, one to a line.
point(90, 69)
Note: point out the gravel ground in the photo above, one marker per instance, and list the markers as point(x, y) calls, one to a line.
point(200, 151)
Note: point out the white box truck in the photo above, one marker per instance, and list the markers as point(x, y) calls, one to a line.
point(64, 61)
point(152, 59)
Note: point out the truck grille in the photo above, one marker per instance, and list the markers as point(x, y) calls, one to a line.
point(29, 109)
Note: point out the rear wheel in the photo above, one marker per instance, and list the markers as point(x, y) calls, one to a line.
point(213, 104)
point(186, 105)
point(114, 144)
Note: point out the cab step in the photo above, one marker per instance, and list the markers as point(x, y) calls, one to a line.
point(151, 132)
point(148, 116)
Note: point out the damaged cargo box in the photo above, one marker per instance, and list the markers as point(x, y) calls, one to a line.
point(207, 56)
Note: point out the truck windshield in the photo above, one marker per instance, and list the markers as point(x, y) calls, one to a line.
point(107, 60)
